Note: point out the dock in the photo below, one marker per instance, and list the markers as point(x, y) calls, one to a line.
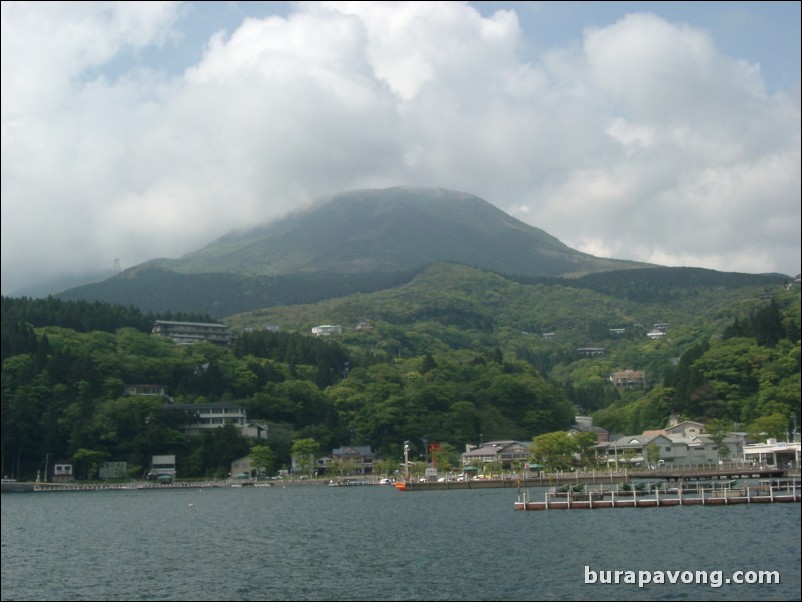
point(598, 477)
point(702, 495)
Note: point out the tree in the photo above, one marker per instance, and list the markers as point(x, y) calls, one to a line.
point(219, 447)
point(718, 430)
point(585, 442)
point(653, 454)
point(304, 451)
point(428, 363)
point(492, 468)
point(773, 426)
point(345, 467)
point(386, 466)
point(444, 455)
point(263, 458)
point(554, 450)
point(629, 455)
point(87, 463)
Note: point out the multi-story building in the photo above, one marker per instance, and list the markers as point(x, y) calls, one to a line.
point(162, 468)
point(628, 379)
point(197, 417)
point(681, 444)
point(504, 452)
point(189, 333)
point(360, 457)
point(145, 390)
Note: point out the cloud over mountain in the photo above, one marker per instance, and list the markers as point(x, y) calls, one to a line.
point(642, 140)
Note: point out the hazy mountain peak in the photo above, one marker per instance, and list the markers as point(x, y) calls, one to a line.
point(389, 230)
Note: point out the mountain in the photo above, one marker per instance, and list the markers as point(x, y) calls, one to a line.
point(358, 241)
point(42, 290)
point(369, 240)
point(391, 230)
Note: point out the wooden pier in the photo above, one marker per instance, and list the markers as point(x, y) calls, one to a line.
point(734, 471)
point(702, 496)
point(603, 477)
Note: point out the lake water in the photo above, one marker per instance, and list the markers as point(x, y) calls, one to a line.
point(376, 543)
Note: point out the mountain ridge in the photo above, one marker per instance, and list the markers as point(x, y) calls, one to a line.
point(393, 229)
point(359, 242)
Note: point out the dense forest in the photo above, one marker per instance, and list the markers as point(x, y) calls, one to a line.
point(440, 365)
point(157, 290)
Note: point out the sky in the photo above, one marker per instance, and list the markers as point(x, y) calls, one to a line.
point(663, 132)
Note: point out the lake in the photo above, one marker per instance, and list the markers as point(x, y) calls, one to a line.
point(376, 543)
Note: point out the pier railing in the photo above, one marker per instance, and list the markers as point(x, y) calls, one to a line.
point(682, 495)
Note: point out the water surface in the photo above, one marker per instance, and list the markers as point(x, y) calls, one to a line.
point(376, 543)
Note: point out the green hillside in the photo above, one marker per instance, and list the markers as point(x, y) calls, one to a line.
point(453, 355)
point(159, 290)
point(457, 309)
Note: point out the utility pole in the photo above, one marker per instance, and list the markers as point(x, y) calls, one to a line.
point(406, 460)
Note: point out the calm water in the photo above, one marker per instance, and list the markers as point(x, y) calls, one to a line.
point(375, 543)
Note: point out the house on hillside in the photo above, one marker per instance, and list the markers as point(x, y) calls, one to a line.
point(327, 330)
point(145, 390)
point(590, 350)
point(628, 379)
point(189, 333)
point(686, 428)
point(197, 417)
point(584, 424)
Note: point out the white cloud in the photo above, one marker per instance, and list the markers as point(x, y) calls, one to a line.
point(644, 141)
point(666, 72)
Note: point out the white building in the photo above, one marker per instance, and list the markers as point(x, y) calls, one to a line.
point(197, 417)
point(773, 453)
point(200, 416)
point(162, 468)
point(326, 330)
point(62, 473)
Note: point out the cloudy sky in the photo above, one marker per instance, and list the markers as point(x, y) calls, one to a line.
point(659, 132)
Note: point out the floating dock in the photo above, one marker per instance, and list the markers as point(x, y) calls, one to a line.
point(701, 496)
